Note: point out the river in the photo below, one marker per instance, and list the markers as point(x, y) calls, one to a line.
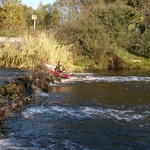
point(94, 111)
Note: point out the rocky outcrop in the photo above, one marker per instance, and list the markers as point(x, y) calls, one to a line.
point(42, 77)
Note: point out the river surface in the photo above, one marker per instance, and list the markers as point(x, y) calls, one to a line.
point(94, 111)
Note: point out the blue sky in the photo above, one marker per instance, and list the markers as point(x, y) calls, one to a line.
point(34, 3)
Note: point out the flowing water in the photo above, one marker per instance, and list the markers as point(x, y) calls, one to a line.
point(94, 111)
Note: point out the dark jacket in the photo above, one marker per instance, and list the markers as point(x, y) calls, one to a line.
point(58, 68)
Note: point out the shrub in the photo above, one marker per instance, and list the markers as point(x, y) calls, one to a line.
point(139, 44)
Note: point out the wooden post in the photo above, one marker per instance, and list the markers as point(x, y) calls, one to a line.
point(34, 17)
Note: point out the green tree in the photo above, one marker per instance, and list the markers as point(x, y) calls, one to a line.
point(48, 15)
point(103, 24)
point(69, 10)
point(28, 12)
point(55, 19)
point(12, 15)
point(44, 15)
point(41, 13)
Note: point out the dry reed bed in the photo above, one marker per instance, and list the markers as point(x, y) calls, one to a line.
point(35, 50)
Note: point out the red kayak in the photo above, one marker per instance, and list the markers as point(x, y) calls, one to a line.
point(63, 75)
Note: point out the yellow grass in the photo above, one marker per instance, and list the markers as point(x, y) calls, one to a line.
point(36, 50)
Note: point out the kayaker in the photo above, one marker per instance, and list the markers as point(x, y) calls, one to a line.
point(58, 67)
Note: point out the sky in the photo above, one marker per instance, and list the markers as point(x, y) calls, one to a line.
point(35, 3)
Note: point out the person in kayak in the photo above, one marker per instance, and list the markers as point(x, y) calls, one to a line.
point(60, 71)
point(58, 67)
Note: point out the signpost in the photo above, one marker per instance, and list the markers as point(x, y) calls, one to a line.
point(34, 17)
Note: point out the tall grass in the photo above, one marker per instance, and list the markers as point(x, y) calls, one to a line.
point(35, 50)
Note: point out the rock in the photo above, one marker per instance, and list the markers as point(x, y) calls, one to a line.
point(42, 77)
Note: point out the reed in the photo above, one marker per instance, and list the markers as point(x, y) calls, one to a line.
point(35, 50)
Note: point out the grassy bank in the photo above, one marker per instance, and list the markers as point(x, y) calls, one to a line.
point(35, 50)
point(133, 61)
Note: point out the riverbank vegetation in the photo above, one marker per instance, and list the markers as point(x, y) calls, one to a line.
point(86, 34)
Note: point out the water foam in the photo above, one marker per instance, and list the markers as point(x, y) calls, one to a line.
point(11, 144)
point(30, 112)
point(85, 112)
point(92, 78)
point(117, 78)
point(73, 146)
